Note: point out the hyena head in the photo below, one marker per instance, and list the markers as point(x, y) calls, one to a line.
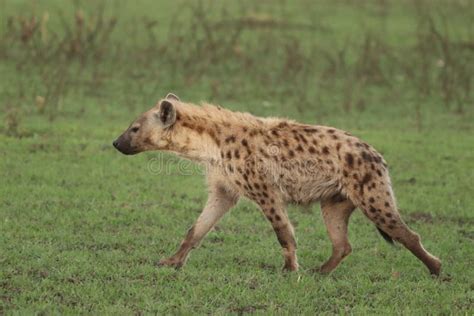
point(149, 131)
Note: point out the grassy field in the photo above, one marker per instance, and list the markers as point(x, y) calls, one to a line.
point(82, 226)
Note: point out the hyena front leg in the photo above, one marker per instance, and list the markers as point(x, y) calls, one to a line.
point(219, 202)
point(284, 231)
point(336, 212)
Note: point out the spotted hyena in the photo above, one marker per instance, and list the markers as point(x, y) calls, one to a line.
point(274, 162)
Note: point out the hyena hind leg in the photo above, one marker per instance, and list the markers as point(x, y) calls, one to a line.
point(336, 212)
point(412, 241)
point(387, 219)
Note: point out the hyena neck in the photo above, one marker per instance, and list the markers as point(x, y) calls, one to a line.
point(200, 132)
point(194, 136)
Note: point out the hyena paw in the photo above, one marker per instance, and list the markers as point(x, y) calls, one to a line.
point(324, 269)
point(171, 262)
point(290, 267)
point(435, 268)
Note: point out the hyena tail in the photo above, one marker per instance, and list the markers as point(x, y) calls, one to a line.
point(385, 236)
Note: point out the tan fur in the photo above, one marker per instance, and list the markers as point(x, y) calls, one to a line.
point(274, 162)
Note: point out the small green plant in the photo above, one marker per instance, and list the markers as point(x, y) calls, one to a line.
point(12, 122)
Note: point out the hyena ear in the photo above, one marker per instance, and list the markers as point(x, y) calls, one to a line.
point(172, 96)
point(167, 113)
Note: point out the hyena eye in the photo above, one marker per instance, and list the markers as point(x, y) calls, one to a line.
point(135, 129)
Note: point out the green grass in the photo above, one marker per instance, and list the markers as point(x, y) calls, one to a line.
point(82, 226)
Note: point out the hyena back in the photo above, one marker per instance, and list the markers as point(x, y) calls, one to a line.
point(274, 162)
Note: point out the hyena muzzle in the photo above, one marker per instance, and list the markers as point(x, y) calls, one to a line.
point(275, 162)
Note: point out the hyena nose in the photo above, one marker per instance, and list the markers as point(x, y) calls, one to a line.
point(115, 143)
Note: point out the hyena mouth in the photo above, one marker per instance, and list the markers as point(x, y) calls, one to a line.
point(125, 149)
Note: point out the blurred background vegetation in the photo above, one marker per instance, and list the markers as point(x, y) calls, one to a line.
point(298, 56)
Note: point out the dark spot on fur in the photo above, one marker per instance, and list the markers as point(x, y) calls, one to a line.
point(229, 155)
point(366, 156)
point(345, 173)
point(350, 160)
point(312, 150)
point(310, 130)
point(299, 148)
point(278, 218)
point(372, 209)
point(325, 150)
point(291, 153)
point(230, 139)
point(367, 177)
point(200, 129)
point(237, 154)
point(331, 131)
point(244, 142)
point(371, 200)
point(303, 139)
point(275, 132)
point(272, 210)
point(387, 204)
point(389, 215)
point(379, 172)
